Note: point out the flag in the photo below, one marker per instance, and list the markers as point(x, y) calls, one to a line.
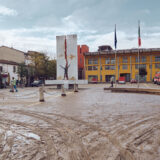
point(115, 38)
point(139, 34)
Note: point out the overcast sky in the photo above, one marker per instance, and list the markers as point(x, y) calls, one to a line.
point(34, 24)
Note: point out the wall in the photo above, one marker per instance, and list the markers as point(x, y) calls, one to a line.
point(7, 68)
point(71, 56)
point(81, 50)
point(150, 61)
point(11, 54)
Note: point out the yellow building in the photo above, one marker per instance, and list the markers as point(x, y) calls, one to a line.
point(101, 65)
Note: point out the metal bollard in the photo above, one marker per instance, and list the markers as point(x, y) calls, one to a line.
point(41, 94)
point(63, 91)
point(75, 87)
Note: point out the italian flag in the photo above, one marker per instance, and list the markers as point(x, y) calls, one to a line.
point(139, 35)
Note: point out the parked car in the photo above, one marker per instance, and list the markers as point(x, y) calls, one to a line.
point(36, 83)
point(94, 80)
point(158, 81)
point(133, 81)
point(121, 80)
point(156, 77)
point(155, 80)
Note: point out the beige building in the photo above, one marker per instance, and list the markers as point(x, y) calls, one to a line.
point(11, 54)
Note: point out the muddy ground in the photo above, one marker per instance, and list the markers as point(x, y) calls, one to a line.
point(92, 124)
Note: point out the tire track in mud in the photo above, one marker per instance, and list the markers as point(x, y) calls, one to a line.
point(143, 134)
point(123, 153)
point(50, 149)
point(67, 135)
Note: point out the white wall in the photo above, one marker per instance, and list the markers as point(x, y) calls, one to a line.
point(71, 56)
point(7, 68)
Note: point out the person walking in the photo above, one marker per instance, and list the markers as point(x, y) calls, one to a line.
point(111, 80)
point(13, 85)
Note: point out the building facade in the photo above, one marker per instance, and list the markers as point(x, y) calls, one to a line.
point(80, 51)
point(10, 58)
point(102, 65)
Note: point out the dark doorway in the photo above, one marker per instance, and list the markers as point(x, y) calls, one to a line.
point(80, 73)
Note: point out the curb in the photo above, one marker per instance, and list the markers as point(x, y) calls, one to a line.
point(135, 90)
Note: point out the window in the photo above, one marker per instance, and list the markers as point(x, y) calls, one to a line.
point(107, 61)
point(89, 68)
point(92, 68)
point(125, 59)
point(106, 67)
point(125, 66)
point(1, 69)
point(89, 61)
point(14, 69)
point(95, 68)
point(112, 60)
point(157, 65)
point(157, 58)
point(143, 59)
point(140, 66)
point(95, 61)
point(110, 67)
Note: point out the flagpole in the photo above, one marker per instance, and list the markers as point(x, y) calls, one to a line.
point(139, 43)
point(138, 66)
point(115, 67)
point(115, 43)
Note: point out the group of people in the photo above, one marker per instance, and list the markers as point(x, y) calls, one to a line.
point(13, 85)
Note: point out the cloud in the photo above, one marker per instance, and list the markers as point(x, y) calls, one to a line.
point(145, 11)
point(125, 40)
point(12, 38)
point(31, 39)
point(39, 22)
point(7, 11)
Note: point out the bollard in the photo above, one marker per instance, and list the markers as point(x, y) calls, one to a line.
point(75, 87)
point(63, 91)
point(41, 94)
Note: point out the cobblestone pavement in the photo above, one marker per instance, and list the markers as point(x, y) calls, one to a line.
point(91, 124)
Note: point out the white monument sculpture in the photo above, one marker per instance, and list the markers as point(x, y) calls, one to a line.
point(67, 62)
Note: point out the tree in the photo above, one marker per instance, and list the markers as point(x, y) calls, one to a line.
point(51, 69)
point(22, 70)
point(25, 72)
point(43, 67)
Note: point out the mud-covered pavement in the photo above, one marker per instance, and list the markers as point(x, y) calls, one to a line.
point(91, 124)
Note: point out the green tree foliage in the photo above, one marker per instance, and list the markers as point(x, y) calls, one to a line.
point(43, 67)
point(51, 69)
point(25, 73)
point(22, 70)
